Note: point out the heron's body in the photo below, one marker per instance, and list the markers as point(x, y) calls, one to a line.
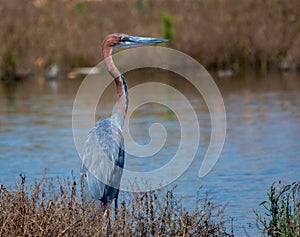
point(103, 154)
point(106, 141)
point(105, 144)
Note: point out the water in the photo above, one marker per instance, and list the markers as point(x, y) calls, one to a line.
point(262, 142)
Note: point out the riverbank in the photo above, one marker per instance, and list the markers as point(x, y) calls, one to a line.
point(232, 35)
point(57, 208)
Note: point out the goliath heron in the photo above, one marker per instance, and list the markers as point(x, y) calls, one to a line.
point(105, 141)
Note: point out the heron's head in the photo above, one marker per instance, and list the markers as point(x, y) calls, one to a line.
point(119, 40)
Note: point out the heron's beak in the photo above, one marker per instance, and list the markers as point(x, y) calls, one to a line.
point(133, 41)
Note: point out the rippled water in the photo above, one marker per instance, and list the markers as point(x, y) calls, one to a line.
point(262, 142)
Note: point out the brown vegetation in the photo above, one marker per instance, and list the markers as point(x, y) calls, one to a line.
point(56, 209)
point(218, 33)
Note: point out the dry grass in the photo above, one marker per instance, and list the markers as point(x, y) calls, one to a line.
point(219, 33)
point(56, 209)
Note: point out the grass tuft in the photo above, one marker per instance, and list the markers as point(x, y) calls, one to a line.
point(281, 211)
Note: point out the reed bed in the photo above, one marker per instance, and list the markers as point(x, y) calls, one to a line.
point(220, 34)
point(61, 208)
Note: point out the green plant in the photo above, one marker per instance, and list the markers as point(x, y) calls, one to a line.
point(9, 65)
point(168, 31)
point(282, 211)
point(81, 7)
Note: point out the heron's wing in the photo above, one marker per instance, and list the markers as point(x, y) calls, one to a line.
point(101, 159)
point(112, 192)
point(121, 158)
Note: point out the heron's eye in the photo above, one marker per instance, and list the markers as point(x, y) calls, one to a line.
point(124, 38)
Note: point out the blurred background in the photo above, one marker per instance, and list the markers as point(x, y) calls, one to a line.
point(251, 48)
point(220, 34)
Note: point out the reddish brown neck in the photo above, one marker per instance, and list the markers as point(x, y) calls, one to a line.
point(110, 66)
point(122, 94)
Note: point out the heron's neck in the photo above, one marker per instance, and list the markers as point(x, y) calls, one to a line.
point(122, 92)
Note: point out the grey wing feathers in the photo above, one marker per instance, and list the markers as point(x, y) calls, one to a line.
point(103, 159)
